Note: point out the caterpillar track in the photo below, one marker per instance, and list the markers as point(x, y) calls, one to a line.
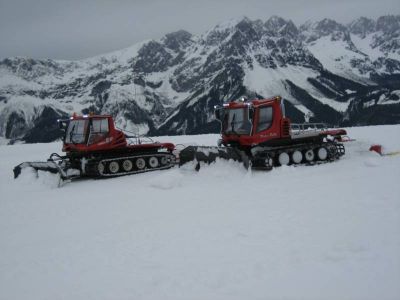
point(128, 165)
point(101, 168)
point(305, 154)
point(265, 158)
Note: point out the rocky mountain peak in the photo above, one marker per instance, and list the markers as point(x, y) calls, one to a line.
point(275, 23)
point(244, 24)
point(246, 31)
point(388, 24)
point(152, 57)
point(222, 30)
point(326, 27)
point(178, 40)
point(362, 26)
point(278, 25)
point(386, 36)
point(30, 69)
point(230, 25)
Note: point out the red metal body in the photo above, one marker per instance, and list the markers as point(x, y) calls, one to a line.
point(110, 139)
point(277, 131)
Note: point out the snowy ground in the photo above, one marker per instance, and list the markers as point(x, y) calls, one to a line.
point(324, 232)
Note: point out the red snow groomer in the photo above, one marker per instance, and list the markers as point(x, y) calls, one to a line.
point(258, 133)
point(255, 132)
point(95, 148)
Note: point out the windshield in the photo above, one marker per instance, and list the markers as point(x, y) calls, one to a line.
point(95, 129)
point(76, 132)
point(236, 121)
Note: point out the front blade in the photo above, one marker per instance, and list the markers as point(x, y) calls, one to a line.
point(48, 166)
point(210, 154)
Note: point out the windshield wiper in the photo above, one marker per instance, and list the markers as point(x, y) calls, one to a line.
point(71, 134)
point(233, 125)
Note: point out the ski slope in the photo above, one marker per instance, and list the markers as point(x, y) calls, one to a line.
point(330, 231)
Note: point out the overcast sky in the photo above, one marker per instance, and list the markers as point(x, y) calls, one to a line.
point(75, 29)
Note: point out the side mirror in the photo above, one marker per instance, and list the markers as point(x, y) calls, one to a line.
point(62, 124)
point(219, 114)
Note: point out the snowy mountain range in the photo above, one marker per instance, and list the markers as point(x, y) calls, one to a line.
point(340, 74)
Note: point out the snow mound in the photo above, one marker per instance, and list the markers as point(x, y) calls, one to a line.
point(167, 181)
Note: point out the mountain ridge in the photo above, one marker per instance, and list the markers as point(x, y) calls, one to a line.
point(344, 74)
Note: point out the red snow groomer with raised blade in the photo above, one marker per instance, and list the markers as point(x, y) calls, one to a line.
point(258, 133)
point(95, 148)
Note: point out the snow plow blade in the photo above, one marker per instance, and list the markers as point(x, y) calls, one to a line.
point(210, 154)
point(48, 166)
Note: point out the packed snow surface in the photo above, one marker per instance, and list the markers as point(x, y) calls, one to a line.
point(330, 231)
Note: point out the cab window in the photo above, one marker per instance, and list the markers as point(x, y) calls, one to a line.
point(264, 118)
point(100, 125)
point(98, 130)
point(76, 132)
point(236, 120)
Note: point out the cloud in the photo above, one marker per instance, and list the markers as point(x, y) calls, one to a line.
point(78, 29)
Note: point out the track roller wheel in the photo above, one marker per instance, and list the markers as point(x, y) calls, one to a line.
point(153, 162)
point(100, 168)
point(284, 159)
point(333, 151)
point(127, 165)
point(268, 162)
point(322, 153)
point(297, 157)
point(113, 167)
point(164, 160)
point(140, 163)
point(309, 155)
